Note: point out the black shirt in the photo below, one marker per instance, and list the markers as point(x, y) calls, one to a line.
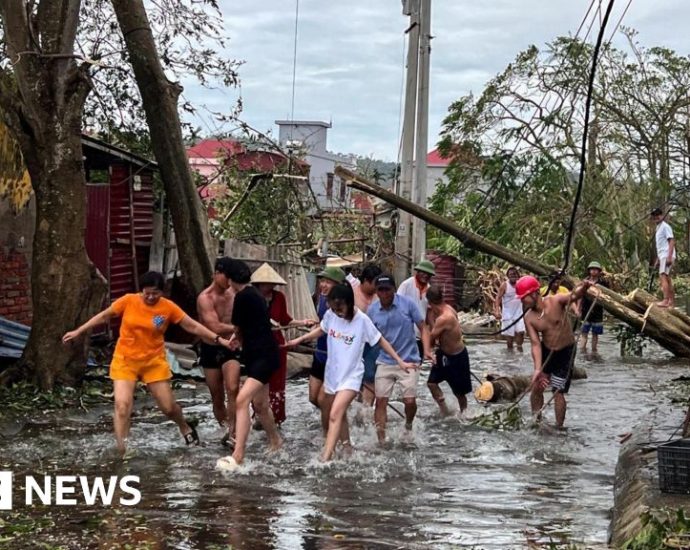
point(250, 315)
point(597, 315)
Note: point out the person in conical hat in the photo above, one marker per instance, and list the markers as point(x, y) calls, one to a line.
point(265, 279)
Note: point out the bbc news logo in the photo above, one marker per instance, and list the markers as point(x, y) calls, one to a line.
point(62, 490)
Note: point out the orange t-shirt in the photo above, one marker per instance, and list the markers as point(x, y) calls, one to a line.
point(143, 326)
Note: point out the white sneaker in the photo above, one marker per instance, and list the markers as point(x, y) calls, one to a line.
point(227, 464)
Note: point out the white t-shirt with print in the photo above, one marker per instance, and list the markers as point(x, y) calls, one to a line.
point(663, 234)
point(346, 339)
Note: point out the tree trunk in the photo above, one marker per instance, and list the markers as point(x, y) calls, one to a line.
point(656, 325)
point(41, 102)
point(159, 97)
point(509, 388)
point(66, 287)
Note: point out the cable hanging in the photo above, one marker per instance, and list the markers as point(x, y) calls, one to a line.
point(583, 155)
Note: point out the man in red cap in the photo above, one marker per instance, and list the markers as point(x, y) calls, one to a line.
point(553, 343)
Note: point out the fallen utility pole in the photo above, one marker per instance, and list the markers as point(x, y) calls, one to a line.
point(668, 329)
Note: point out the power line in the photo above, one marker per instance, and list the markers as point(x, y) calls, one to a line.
point(294, 67)
point(583, 155)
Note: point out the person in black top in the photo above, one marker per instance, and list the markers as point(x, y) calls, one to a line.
point(595, 321)
point(261, 358)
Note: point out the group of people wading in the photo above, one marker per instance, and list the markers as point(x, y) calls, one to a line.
point(369, 338)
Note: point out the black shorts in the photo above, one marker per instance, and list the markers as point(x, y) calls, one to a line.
point(558, 366)
point(261, 366)
point(318, 368)
point(454, 369)
point(214, 357)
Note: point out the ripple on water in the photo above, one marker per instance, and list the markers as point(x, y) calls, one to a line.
point(445, 485)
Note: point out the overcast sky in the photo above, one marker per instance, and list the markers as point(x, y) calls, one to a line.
point(350, 57)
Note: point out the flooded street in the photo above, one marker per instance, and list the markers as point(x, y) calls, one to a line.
point(452, 485)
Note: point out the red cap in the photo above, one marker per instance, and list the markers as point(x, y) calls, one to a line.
point(525, 286)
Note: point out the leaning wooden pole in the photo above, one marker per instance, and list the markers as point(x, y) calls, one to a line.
point(655, 322)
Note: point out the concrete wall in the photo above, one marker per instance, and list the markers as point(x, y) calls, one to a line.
point(312, 137)
point(16, 242)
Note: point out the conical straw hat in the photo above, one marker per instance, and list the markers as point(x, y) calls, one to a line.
point(484, 392)
point(266, 274)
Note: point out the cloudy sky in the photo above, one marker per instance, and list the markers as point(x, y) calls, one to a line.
point(350, 57)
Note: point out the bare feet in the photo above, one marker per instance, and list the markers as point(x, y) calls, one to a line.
point(347, 448)
point(275, 446)
point(663, 303)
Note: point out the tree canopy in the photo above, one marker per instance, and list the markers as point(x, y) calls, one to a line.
point(515, 150)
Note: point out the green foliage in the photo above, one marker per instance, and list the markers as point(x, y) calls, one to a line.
point(24, 397)
point(667, 530)
point(509, 418)
point(515, 155)
point(632, 342)
point(190, 39)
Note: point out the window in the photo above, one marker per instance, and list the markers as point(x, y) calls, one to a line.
point(329, 186)
point(343, 191)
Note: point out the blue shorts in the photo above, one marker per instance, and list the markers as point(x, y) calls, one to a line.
point(369, 357)
point(596, 328)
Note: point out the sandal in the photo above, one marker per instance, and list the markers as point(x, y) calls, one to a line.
point(192, 438)
point(228, 441)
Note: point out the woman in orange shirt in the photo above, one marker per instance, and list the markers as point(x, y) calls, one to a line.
point(140, 353)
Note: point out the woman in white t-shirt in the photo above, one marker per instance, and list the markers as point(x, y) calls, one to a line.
point(348, 329)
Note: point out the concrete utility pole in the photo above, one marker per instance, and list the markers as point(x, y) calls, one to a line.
point(419, 227)
point(410, 240)
point(403, 239)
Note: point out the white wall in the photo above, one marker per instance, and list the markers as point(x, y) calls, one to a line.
point(313, 139)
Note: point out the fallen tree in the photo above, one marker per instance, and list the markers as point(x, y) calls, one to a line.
point(667, 328)
point(503, 389)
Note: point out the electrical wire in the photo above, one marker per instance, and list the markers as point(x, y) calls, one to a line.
point(583, 156)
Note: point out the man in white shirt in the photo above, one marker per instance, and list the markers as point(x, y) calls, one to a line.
point(415, 289)
point(665, 257)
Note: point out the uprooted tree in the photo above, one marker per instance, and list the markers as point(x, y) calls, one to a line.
point(59, 56)
point(514, 151)
point(669, 327)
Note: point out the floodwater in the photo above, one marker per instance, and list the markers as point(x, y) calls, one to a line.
point(451, 485)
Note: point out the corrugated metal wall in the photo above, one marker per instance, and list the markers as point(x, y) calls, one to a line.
point(97, 226)
point(299, 300)
point(131, 218)
point(445, 274)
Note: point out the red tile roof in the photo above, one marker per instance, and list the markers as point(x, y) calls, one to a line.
point(212, 148)
point(435, 159)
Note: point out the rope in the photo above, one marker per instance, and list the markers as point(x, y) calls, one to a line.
point(367, 386)
point(572, 357)
point(585, 135)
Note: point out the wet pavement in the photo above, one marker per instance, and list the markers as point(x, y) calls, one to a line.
point(450, 485)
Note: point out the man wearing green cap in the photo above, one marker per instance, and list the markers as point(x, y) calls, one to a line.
point(415, 289)
point(595, 321)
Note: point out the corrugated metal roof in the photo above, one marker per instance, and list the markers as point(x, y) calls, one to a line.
point(13, 338)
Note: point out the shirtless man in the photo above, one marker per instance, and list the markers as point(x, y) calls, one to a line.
point(451, 362)
point(221, 365)
point(553, 353)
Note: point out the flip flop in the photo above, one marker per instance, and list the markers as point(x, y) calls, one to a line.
point(227, 464)
point(192, 438)
point(228, 441)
